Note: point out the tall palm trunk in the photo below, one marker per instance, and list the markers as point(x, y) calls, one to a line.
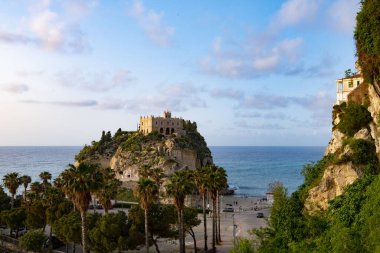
point(146, 230)
point(12, 200)
point(84, 231)
point(180, 231)
point(25, 192)
point(204, 219)
point(218, 217)
point(213, 224)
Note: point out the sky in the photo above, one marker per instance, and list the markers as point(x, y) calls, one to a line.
point(253, 72)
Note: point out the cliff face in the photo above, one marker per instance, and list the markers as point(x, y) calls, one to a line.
point(127, 152)
point(355, 148)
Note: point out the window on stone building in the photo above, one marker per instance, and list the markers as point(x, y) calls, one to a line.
point(167, 131)
point(161, 130)
point(172, 130)
point(357, 83)
point(350, 84)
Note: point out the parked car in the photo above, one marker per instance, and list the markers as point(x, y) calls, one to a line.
point(228, 210)
point(260, 215)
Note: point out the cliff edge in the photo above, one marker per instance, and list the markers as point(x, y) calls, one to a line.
point(353, 150)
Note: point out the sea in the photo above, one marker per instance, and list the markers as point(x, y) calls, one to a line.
point(249, 169)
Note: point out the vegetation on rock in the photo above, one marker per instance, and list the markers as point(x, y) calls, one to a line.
point(353, 117)
point(367, 37)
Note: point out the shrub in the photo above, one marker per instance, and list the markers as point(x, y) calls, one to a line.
point(353, 118)
point(363, 151)
point(33, 240)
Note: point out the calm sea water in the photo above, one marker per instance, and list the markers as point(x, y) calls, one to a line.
point(251, 169)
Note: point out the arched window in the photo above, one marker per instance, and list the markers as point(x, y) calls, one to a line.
point(172, 130)
point(161, 130)
point(167, 131)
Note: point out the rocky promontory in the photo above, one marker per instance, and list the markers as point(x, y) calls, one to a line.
point(126, 152)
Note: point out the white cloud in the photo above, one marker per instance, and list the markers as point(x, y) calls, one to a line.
point(95, 81)
point(342, 15)
point(294, 12)
point(245, 60)
point(53, 29)
point(151, 23)
point(16, 88)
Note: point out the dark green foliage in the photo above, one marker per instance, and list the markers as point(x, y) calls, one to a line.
point(137, 140)
point(5, 201)
point(33, 240)
point(243, 245)
point(36, 215)
point(346, 207)
point(369, 218)
point(353, 118)
point(193, 140)
point(109, 230)
point(106, 144)
point(162, 219)
point(14, 218)
point(367, 36)
point(364, 152)
point(68, 228)
point(313, 172)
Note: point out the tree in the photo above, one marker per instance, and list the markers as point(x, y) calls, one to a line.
point(33, 240)
point(243, 245)
point(190, 221)
point(109, 230)
point(12, 182)
point(180, 185)
point(200, 179)
point(367, 37)
point(108, 189)
point(35, 215)
point(217, 178)
point(78, 183)
point(68, 228)
point(161, 221)
point(36, 188)
point(25, 180)
point(4, 200)
point(45, 176)
point(14, 219)
point(147, 192)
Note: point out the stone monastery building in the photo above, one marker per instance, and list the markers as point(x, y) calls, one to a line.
point(165, 125)
point(345, 86)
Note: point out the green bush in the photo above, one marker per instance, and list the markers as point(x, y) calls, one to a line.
point(125, 194)
point(33, 240)
point(353, 118)
point(364, 152)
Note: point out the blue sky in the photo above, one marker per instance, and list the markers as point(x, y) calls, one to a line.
point(248, 72)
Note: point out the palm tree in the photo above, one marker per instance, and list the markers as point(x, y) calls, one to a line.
point(36, 188)
point(12, 182)
point(108, 189)
point(45, 177)
point(25, 180)
point(179, 185)
point(77, 183)
point(147, 192)
point(217, 181)
point(200, 178)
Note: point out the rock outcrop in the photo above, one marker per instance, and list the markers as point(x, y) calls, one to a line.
point(127, 152)
point(348, 165)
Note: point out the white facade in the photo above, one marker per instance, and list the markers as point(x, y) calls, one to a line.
point(345, 86)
